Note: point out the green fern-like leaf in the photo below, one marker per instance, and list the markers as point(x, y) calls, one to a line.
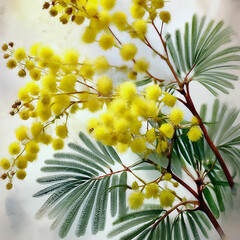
point(79, 189)
point(203, 54)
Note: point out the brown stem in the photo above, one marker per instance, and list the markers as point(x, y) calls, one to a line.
point(193, 110)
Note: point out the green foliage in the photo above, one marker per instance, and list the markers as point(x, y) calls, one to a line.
point(78, 193)
point(202, 51)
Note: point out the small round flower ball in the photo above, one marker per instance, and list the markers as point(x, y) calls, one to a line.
point(89, 35)
point(153, 92)
point(137, 11)
point(167, 129)
point(58, 144)
point(162, 146)
point(194, 133)
point(71, 56)
point(140, 27)
point(49, 83)
point(101, 64)
point(36, 129)
point(32, 88)
point(138, 145)
point(175, 184)
point(20, 54)
point(141, 65)
point(136, 200)
point(29, 65)
point(14, 148)
point(176, 116)
point(11, 63)
point(87, 71)
point(107, 4)
point(157, 4)
point(127, 91)
point(45, 53)
point(152, 190)
point(121, 125)
point(67, 83)
point(167, 177)
point(104, 85)
point(120, 20)
point(135, 185)
point(22, 162)
point(106, 41)
point(32, 147)
point(62, 131)
point(101, 133)
point(128, 51)
point(151, 135)
point(22, 73)
point(21, 133)
point(5, 163)
point(9, 186)
point(132, 75)
point(35, 74)
point(31, 157)
point(166, 198)
point(107, 118)
point(169, 100)
point(92, 124)
point(194, 120)
point(91, 9)
point(165, 16)
point(46, 139)
point(21, 174)
point(121, 147)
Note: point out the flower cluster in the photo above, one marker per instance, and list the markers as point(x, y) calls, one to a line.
point(61, 85)
point(165, 195)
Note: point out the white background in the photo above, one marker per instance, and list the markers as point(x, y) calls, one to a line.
point(23, 22)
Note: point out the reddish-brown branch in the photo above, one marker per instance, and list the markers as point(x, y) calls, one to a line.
point(191, 107)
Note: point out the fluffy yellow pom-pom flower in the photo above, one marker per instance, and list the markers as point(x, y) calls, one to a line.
point(89, 35)
point(140, 27)
point(20, 54)
point(194, 133)
point(5, 163)
point(165, 16)
point(169, 100)
point(176, 116)
point(62, 131)
point(127, 91)
point(141, 65)
point(167, 129)
point(107, 4)
point(14, 148)
point(152, 190)
point(104, 85)
point(151, 135)
point(128, 51)
point(67, 83)
point(35, 74)
point(57, 144)
point(33, 88)
point(11, 63)
point(101, 64)
point(21, 133)
point(21, 174)
point(45, 53)
point(166, 198)
point(157, 4)
point(106, 41)
point(136, 200)
point(32, 147)
point(137, 11)
point(71, 56)
point(49, 83)
point(138, 145)
point(21, 162)
point(162, 146)
point(153, 92)
point(120, 20)
point(195, 120)
point(36, 129)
